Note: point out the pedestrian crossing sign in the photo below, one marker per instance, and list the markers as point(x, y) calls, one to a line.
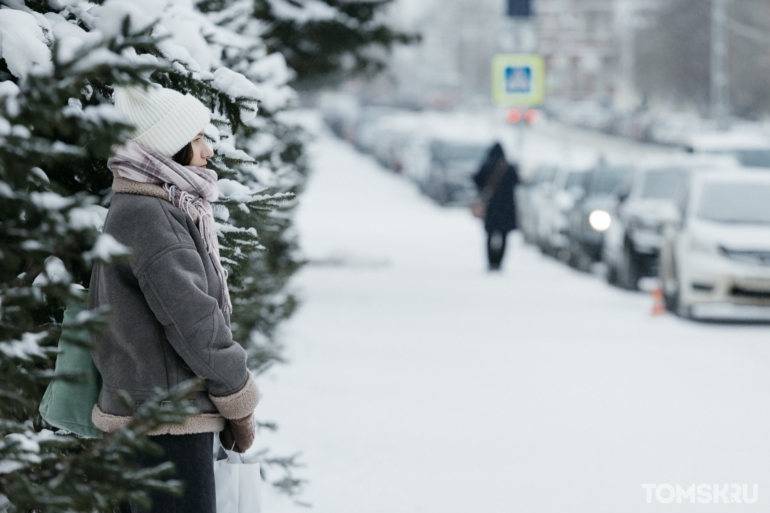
point(518, 80)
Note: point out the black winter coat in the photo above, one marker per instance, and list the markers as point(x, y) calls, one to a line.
point(501, 211)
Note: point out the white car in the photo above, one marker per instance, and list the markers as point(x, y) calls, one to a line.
point(531, 198)
point(751, 149)
point(632, 242)
point(554, 219)
point(715, 261)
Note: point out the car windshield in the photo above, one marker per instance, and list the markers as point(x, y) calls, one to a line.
point(744, 203)
point(606, 179)
point(448, 153)
point(754, 158)
point(664, 184)
point(749, 158)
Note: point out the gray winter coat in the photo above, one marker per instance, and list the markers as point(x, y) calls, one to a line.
point(166, 324)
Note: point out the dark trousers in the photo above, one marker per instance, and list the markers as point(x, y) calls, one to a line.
point(193, 457)
point(496, 248)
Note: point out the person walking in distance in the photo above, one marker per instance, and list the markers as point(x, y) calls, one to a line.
point(496, 181)
point(170, 304)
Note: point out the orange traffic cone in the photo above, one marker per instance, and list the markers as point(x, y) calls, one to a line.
point(659, 303)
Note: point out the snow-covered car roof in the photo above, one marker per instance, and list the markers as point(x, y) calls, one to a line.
point(727, 141)
point(689, 161)
point(734, 175)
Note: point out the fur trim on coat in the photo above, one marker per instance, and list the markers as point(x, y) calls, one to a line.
point(201, 423)
point(240, 404)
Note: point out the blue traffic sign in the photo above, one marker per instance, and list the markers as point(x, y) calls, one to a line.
point(518, 80)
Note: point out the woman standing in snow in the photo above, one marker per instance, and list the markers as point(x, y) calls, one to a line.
point(170, 304)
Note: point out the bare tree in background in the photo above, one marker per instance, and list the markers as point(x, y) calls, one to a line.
point(749, 58)
point(673, 62)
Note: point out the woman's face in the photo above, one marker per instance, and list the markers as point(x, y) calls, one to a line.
point(201, 151)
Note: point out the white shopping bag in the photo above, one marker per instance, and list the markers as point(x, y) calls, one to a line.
point(238, 483)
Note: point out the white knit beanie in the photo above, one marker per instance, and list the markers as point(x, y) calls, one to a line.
point(164, 120)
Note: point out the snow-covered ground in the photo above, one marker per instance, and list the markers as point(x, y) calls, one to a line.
point(418, 382)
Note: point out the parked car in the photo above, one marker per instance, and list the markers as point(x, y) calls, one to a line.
point(640, 126)
point(591, 216)
point(340, 112)
point(367, 126)
point(566, 190)
point(589, 114)
point(632, 242)
point(715, 261)
point(452, 165)
point(675, 128)
point(531, 199)
point(393, 135)
point(751, 149)
point(417, 159)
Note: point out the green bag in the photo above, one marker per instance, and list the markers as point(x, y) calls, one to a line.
point(66, 404)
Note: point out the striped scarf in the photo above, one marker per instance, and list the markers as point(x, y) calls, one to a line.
point(191, 189)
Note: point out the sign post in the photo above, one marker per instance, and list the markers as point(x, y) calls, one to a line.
point(518, 80)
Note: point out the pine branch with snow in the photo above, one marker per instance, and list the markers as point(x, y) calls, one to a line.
point(328, 41)
point(58, 63)
point(56, 130)
point(59, 126)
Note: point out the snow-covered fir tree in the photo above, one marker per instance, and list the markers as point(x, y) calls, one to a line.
point(328, 41)
point(58, 62)
point(54, 117)
point(347, 38)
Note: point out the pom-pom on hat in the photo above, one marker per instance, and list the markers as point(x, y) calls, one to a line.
point(164, 120)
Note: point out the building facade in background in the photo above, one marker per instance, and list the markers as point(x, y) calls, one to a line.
point(453, 62)
point(589, 47)
point(624, 53)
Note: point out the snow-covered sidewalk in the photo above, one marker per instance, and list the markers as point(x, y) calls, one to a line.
point(418, 382)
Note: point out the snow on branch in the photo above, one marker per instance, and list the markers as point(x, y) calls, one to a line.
point(235, 85)
point(106, 249)
point(22, 43)
point(27, 347)
point(304, 11)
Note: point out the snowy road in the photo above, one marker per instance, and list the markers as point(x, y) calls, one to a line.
point(417, 382)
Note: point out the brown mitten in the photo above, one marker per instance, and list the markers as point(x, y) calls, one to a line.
point(238, 434)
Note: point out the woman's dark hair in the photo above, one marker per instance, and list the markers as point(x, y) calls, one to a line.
point(185, 155)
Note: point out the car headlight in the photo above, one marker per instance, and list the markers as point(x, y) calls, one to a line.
point(600, 220)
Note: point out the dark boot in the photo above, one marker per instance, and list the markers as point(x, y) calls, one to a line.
point(495, 249)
